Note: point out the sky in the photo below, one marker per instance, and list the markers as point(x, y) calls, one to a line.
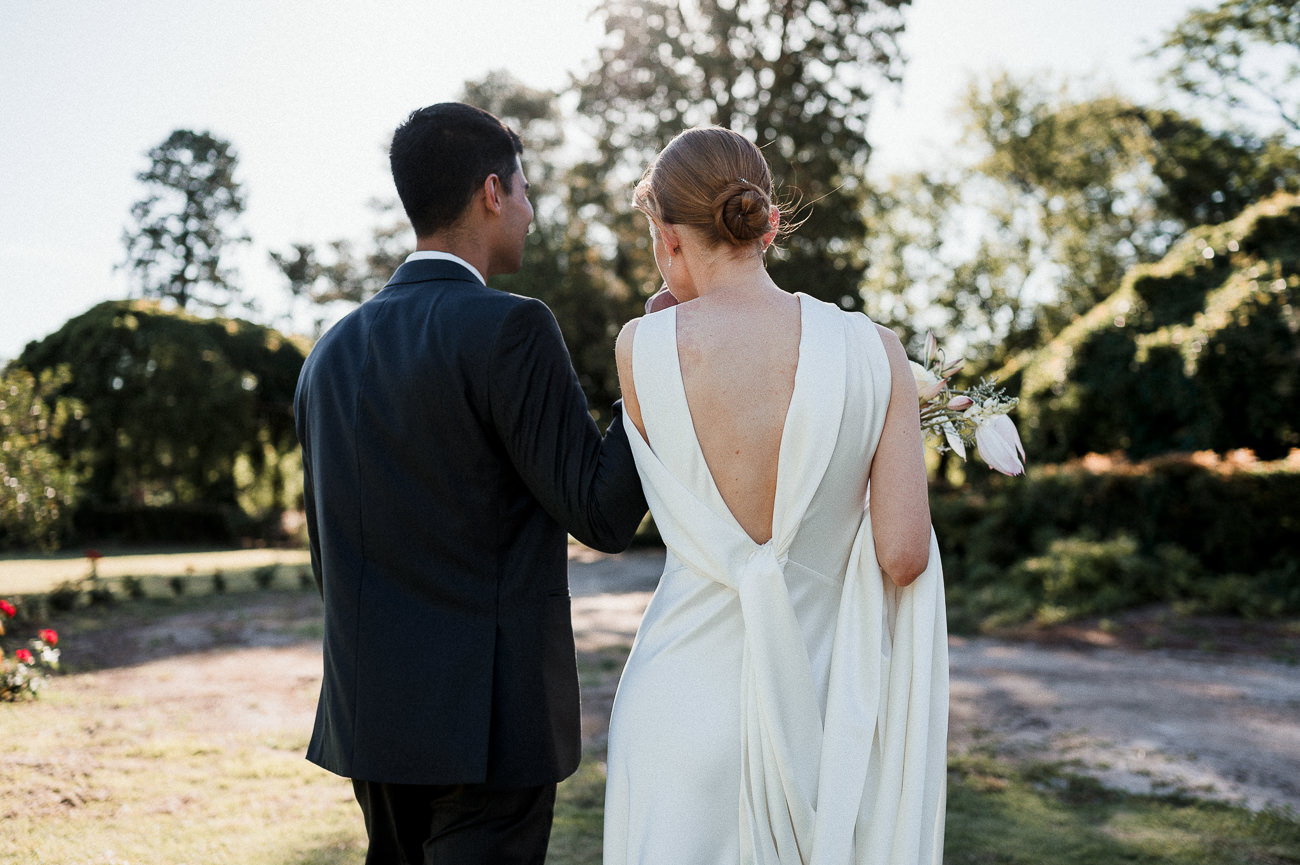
point(309, 93)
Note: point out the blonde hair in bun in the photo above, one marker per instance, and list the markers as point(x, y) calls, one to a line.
point(713, 180)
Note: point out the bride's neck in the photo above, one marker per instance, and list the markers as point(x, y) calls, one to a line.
point(731, 276)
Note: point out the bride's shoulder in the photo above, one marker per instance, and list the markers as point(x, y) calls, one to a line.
point(899, 366)
point(888, 337)
point(623, 344)
point(627, 384)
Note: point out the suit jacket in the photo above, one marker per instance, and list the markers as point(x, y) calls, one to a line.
point(447, 453)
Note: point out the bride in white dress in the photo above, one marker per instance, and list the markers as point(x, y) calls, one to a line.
point(786, 698)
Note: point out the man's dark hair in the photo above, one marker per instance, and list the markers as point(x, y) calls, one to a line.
point(440, 157)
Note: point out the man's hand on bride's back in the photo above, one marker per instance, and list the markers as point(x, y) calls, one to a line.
point(661, 299)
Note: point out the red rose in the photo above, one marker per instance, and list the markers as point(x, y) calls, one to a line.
point(23, 656)
point(94, 554)
point(49, 636)
point(7, 608)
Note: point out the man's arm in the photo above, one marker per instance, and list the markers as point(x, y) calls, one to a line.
point(589, 484)
point(308, 486)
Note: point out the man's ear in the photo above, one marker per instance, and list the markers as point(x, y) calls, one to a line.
point(492, 193)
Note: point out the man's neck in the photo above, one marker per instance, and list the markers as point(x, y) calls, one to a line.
point(473, 252)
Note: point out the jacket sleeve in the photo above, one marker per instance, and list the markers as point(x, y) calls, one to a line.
point(587, 483)
point(300, 411)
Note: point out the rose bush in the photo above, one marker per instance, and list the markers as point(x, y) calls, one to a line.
point(27, 673)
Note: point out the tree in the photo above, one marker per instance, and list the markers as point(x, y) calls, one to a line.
point(37, 488)
point(179, 411)
point(1199, 351)
point(1242, 56)
point(1062, 198)
point(186, 223)
point(561, 265)
point(796, 76)
point(344, 274)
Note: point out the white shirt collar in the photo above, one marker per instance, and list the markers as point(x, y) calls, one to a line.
point(435, 255)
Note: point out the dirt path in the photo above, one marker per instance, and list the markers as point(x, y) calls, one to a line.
point(1219, 724)
point(1222, 726)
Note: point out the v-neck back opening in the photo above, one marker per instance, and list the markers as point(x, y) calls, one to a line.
point(698, 448)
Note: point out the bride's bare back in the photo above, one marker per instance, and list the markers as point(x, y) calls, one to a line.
point(738, 356)
point(738, 359)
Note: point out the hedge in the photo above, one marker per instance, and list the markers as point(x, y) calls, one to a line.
point(1101, 534)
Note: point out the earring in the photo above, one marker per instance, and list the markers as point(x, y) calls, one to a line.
point(670, 262)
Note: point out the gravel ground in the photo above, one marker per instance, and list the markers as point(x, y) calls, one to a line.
point(1220, 721)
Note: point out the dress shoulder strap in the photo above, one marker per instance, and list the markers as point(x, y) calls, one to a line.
point(665, 413)
point(658, 377)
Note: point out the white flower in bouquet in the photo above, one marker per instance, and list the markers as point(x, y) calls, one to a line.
point(998, 443)
point(928, 385)
point(952, 419)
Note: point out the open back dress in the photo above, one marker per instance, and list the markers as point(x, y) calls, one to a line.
point(783, 702)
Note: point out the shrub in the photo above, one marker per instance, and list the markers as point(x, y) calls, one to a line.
point(65, 596)
point(36, 487)
point(180, 412)
point(23, 671)
point(1197, 351)
point(264, 576)
point(1217, 533)
point(100, 595)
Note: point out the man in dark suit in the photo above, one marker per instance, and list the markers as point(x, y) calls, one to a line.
point(447, 453)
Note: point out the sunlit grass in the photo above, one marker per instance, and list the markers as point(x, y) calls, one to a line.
point(579, 816)
point(1047, 814)
point(86, 778)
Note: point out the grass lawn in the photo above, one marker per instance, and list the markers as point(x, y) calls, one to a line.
point(1046, 814)
point(34, 574)
point(184, 744)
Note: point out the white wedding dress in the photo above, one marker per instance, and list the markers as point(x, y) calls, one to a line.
point(784, 702)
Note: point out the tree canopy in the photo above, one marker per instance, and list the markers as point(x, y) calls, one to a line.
point(797, 77)
point(1062, 197)
point(1199, 351)
point(186, 223)
point(1242, 57)
point(176, 409)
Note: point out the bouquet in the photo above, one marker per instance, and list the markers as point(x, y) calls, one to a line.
point(954, 419)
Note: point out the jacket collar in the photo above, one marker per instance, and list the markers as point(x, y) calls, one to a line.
point(430, 270)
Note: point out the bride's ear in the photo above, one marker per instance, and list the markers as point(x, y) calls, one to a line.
point(671, 236)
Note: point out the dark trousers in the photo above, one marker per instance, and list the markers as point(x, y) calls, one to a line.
point(411, 824)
